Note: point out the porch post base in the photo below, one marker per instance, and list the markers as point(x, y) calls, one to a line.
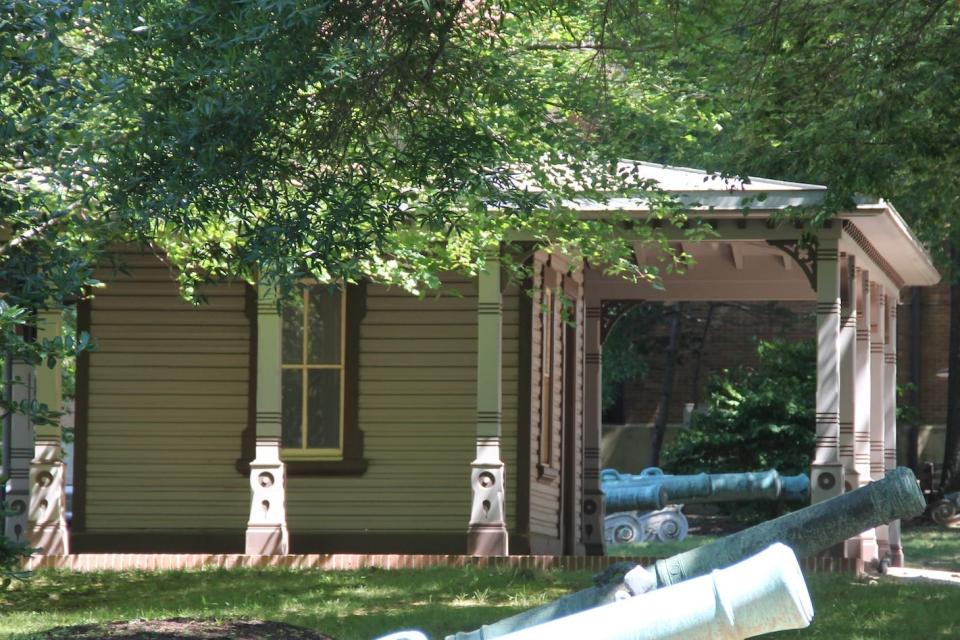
point(883, 541)
point(826, 481)
point(487, 540)
point(896, 550)
point(593, 514)
point(16, 525)
point(267, 540)
point(487, 530)
point(48, 506)
point(267, 533)
point(868, 551)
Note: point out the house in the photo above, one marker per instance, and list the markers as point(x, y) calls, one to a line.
point(370, 420)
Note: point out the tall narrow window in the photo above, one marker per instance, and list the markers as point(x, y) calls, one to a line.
point(313, 344)
point(547, 337)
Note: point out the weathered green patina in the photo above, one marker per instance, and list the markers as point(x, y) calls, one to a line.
point(806, 531)
point(702, 487)
point(635, 497)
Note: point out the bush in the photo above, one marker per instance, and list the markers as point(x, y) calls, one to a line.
point(757, 418)
point(12, 555)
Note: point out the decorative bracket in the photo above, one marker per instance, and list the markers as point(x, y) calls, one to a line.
point(611, 311)
point(803, 253)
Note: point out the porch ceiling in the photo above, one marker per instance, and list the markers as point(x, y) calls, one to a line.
point(740, 263)
point(745, 270)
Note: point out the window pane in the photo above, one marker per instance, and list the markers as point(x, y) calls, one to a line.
point(323, 339)
point(291, 429)
point(323, 409)
point(293, 331)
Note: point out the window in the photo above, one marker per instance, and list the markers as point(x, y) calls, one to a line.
point(312, 385)
point(319, 382)
point(547, 338)
point(551, 373)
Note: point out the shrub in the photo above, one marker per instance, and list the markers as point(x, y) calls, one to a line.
point(759, 417)
point(12, 554)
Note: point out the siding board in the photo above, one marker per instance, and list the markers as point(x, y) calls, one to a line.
point(168, 404)
point(168, 401)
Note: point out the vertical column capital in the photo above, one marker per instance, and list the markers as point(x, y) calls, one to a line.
point(487, 529)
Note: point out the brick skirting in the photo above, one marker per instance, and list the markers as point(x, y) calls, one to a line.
point(345, 561)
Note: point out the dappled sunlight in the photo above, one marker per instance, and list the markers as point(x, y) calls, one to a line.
point(366, 604)
point(343, 604)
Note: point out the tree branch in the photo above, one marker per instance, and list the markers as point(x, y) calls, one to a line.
point(32, 232)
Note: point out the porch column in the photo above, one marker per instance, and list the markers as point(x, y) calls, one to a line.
point(861, 428)
point(487, 531)
point(877, 403)
point(16, 524)
point(826, 475)
point(593, 511)
point(848, 364)
point(890, 417)
point(48, 499)
point(267, 527)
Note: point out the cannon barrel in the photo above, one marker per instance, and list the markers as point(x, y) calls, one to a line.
point(630, 497)
point(762, 594)
point(806, 531)
point(707, 487)
point(795, 488)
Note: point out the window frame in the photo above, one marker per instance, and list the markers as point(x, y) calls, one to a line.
point(551, 399)
point(352, 462)
point(304, 452)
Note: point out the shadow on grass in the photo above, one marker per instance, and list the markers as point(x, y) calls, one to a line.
point(353, 604)
point(932, 547)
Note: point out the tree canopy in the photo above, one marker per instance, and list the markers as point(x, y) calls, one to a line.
point(395, 139)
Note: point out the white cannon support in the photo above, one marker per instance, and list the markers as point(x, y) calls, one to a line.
point(762, 594)
point(627, 527)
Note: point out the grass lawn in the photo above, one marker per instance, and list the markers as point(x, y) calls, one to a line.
point(360, 605)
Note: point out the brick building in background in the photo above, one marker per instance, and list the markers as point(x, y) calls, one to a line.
point(731, 338)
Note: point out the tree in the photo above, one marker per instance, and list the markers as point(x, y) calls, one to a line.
point(882, 118)
point(859, 96)
point(359, 139)
point(758, 417)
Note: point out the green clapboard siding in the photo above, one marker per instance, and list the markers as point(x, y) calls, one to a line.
point(418, 370)
point(168, 404)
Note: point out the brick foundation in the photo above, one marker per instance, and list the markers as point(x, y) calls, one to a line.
point(344, 561)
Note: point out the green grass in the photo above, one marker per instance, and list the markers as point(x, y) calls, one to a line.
point(658, 549)
point(932, 547)
point(359, 605)
point(346, 605)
